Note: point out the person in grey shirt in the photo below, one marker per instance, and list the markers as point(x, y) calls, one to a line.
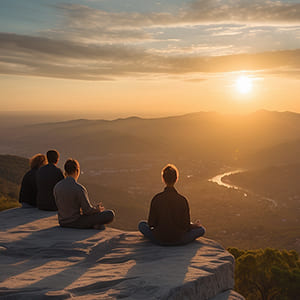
point(72, 201)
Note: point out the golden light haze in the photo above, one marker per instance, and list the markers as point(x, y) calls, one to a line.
point(149, 97)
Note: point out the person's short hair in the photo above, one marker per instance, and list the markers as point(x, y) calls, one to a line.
point(37, 161)
point(71, 166)
point(52, 156)
point(169, 174)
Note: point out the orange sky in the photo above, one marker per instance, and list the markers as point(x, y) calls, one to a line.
point(137, 57)
point(148, 98)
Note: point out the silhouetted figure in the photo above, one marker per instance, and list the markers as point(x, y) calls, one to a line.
point(169, 217)
point(74, 207)
point(47, 177)
point(28, 191)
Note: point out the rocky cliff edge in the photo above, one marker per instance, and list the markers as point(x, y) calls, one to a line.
point(40, 260)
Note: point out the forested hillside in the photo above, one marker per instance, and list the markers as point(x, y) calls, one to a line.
point(266, 274)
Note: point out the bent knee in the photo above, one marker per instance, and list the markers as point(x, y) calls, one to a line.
point(203, 230)
point(143, 226)
point(110, 215)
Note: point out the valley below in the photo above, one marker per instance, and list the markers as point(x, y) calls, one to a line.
point(231, 215)
point(255, 207)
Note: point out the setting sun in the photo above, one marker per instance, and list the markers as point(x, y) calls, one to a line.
point(243, 84)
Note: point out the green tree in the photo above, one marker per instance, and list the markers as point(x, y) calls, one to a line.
point(267, 274)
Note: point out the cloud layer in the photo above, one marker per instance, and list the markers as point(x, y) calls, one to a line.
point(94, 25)
point(94, 44)
point(38, 56)
point(244, 11)
point(197, 12)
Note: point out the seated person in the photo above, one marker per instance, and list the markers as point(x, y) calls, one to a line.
point(47, 177)
point(169, 216)
point(28, 191)
point(72, 199)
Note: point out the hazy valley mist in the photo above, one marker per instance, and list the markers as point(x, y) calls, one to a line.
point(121, 162)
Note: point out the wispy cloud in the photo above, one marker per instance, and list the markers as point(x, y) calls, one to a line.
point(201, 37)
point(197, 12)
point(93, 25)
point(38, 56)
point(85, 24)
point(244, 11)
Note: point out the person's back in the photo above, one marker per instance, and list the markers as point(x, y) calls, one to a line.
point(74, 207)
point(28, 190)
point(68, 194)
point(47, 177)
point(169, 216)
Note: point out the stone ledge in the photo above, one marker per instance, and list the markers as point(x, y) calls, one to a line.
point(40, 260)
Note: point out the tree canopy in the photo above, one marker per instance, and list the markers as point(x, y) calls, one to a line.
point(267, 274)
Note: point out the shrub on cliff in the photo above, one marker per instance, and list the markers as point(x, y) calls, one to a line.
point(12, 169)
point(7, 202)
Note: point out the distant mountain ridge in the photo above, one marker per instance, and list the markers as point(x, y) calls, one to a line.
point(235, 139)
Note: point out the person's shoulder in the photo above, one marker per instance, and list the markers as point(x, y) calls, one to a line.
point(43, 168)
point(56, 168)
point(80, 187)
point(27, 175)
point(158, 196)
point(181, 197)
point(30, 172)
point(53, 170)
point(61, 183)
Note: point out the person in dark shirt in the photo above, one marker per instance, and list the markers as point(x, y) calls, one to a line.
point(74, 207)
point(169, 216)
point(47, 177)
point(28, 191)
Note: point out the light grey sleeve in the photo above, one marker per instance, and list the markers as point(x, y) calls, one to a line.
point(85, 204)
point(55, 192)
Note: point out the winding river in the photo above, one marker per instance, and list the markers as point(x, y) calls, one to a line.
point(218, 180)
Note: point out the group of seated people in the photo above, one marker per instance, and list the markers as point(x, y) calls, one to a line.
point(47, 188)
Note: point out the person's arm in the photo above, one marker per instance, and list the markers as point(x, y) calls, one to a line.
point(152, 218)
point(85, 204)
point(186, 219)
point(22, 194)
point(196, 224)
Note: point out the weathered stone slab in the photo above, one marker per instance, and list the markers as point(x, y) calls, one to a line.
point(40, 260)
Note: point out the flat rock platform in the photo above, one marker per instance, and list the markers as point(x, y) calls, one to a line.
point(40, 260)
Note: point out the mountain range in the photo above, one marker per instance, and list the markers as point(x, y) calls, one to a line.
point(263, 137)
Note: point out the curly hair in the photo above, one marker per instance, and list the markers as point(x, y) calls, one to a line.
point(37, 161)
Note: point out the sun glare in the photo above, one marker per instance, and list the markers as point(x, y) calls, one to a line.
point(243, 84)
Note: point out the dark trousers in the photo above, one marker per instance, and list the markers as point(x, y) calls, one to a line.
point(188, 236)
point(27, 205)
point(89, 221)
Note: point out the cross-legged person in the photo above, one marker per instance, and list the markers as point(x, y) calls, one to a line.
point(74, 207)
point(169, 216)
